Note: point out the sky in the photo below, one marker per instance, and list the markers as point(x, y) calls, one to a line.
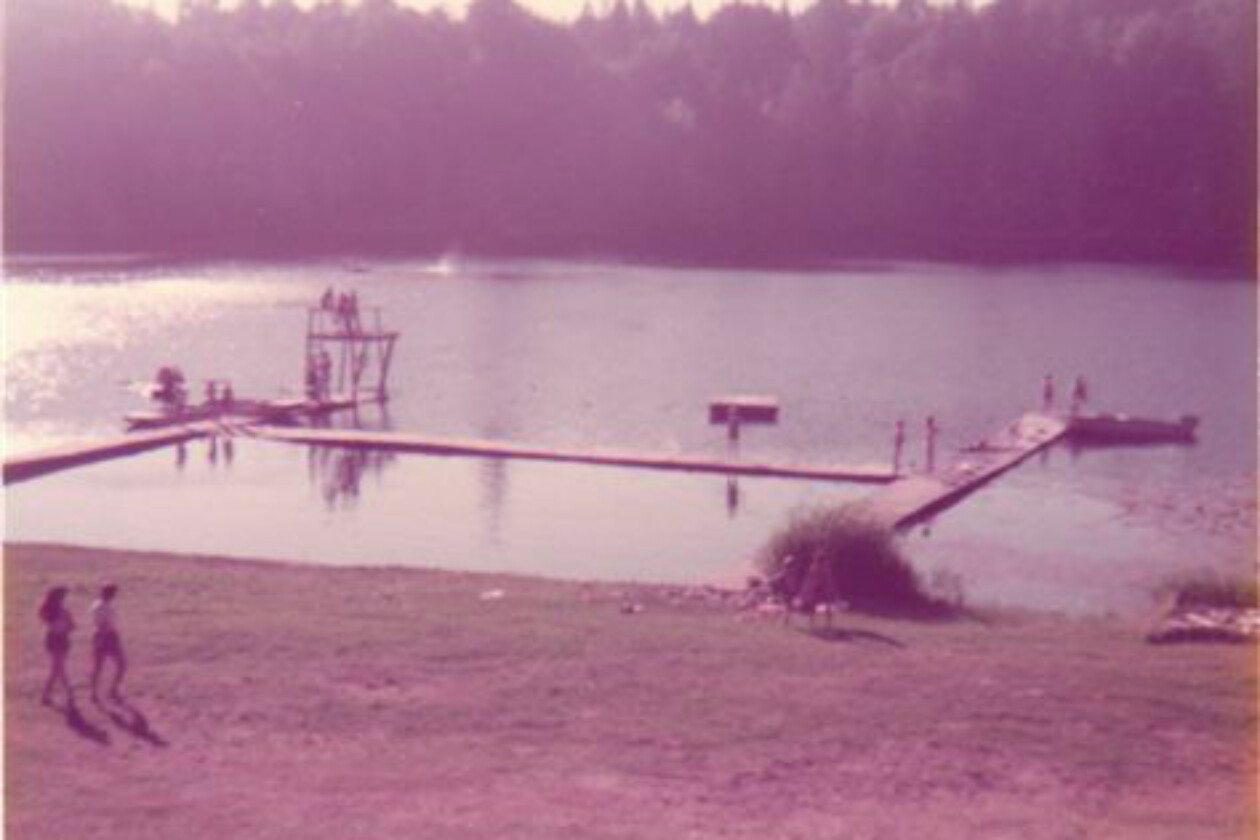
point(560, 10)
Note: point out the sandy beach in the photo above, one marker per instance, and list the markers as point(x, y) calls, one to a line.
point(269, 700)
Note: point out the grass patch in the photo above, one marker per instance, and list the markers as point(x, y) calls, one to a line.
point(825, 555)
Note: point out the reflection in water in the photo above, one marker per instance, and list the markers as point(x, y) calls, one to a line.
point(494, 483)
point(732, 496)
point(214, 448)
point(732, 455)
point(1078, 447)
point(338, 471)
point(500, 336)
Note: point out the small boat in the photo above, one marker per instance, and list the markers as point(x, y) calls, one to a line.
point(1121, 428)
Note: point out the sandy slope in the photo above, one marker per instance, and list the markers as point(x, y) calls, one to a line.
point(295, 702)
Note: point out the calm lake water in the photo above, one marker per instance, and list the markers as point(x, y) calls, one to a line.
point(594, 355)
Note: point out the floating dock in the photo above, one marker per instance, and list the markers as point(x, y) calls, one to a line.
point(238, 412)
point(1112, 429)
point(22, 467)
point(874, 474)
point(911, 499)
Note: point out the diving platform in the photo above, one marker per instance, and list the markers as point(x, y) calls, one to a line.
point(911, 499)
point(22, 467)
point(347, 350)
point(390, 441)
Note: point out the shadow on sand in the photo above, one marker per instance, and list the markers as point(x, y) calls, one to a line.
point(841, 634)
point(80, 725)
point(131, 720)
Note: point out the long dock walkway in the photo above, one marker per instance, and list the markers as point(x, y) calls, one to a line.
point(914, 498)
point(22, 467)
point(875, 474)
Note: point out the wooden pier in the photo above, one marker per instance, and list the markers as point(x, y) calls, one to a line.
point(911, 499)
point(23, 467)
point(875, 474)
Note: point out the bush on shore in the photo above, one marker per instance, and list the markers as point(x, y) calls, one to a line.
point(1211, 591)
point(826, 555)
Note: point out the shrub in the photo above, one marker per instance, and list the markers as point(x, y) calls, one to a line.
point(1206, 590)
point(860, 564)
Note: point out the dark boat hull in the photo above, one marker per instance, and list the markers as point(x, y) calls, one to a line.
point(1120, 428)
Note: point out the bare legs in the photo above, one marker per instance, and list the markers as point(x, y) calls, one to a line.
point(58, 674)
point(98, 663)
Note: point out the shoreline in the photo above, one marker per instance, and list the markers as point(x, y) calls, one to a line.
point(352, 261)
point(402, 701)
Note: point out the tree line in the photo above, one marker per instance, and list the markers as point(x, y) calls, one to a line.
point(1015, 130)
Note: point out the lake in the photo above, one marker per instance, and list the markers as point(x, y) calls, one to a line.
point(585, 355)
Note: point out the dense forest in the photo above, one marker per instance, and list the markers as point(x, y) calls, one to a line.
point(1014, 130)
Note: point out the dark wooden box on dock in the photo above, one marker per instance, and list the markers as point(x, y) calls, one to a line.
point(746, 409)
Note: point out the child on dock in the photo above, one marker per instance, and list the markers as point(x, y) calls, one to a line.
point(1080, 394)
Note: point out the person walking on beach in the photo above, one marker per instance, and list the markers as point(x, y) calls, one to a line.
point(1047, 393)
point(59, 624)
point(107, 644)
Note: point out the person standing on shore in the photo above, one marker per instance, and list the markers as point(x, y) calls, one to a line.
point(931, 430)
point(899, 443)
point(60, 624)
point(1047, 393)
point(1080, 394)
point(107, 643)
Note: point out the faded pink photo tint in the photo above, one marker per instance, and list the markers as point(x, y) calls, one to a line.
point(821, 419)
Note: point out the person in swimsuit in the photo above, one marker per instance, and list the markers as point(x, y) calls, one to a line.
point(59, 625)
point(107, 643)
point(899, 444)
point(932, 430)
point(1080, 394)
